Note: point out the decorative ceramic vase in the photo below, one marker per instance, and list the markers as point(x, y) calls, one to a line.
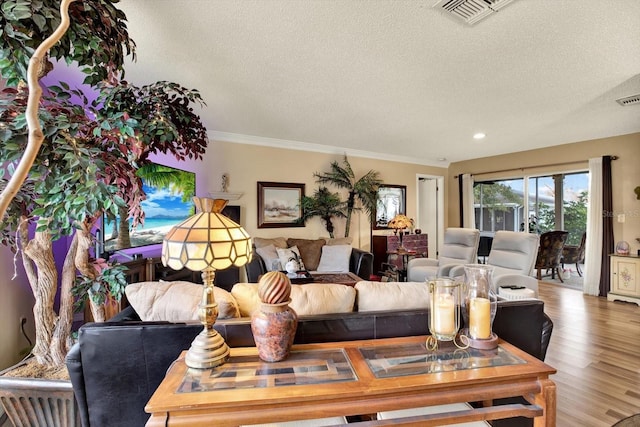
point(274, 324)
point(291, 267)
point(274, 328)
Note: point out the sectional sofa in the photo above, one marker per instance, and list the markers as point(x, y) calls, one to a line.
point(116, 366)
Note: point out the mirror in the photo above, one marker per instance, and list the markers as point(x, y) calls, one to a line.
point(392, 200)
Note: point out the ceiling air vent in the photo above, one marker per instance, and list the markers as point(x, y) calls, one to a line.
point(629, 100)
point(470, 11)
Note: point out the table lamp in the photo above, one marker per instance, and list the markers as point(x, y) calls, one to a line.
point(207, 241)
point(399, 223)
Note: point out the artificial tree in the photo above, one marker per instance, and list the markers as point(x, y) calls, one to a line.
point(364, 189)
point(326, 205)
point(90, 150)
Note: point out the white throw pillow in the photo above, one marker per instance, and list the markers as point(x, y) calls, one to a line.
point(175, 301)
point(285, 254)
point(335, 258)
point(270, 257)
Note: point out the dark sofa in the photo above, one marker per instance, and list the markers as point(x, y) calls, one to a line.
point(116, 366)
point(360, 263)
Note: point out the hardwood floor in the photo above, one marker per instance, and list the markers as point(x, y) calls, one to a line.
point(595, 346)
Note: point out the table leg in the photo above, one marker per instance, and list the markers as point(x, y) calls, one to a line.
point(547, 400)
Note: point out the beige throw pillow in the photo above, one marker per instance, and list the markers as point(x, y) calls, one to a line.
point(175, 301)
point(278, 242)
point(376, 296)
point(340, 241)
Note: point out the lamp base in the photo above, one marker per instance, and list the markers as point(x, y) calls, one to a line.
point(207, 350)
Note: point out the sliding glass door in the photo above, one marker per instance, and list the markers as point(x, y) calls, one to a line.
point(554, 202)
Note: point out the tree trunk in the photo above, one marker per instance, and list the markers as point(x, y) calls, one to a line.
point(36, 137)
point(40, 251)
point(81, 262)
point(124, 239)
point(351, 202)
point(329, 226)
point(61, 341)
point(98, 311)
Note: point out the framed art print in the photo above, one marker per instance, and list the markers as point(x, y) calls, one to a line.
point(279, 204)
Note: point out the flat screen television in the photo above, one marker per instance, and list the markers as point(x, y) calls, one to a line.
point(169, 201)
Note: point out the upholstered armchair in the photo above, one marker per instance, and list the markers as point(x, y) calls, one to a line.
point(460, 247)
point(550, 253)
point(512, 256)
point(572, 254)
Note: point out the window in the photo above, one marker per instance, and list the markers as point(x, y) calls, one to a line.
point(499, 205)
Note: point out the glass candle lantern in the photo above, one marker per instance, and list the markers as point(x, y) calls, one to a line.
point(444, 309)
point(479, 302)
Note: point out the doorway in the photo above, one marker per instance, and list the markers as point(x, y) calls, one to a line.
point(430, 210)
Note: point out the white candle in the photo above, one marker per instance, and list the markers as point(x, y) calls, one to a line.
point(444, 315)
point(479, 318)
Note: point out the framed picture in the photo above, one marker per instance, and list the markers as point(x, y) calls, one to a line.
point(279, 204)
point(392, 200)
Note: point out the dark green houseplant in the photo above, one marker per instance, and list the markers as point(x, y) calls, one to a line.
point(323, 204)
point(363, 189)
point(90, 151)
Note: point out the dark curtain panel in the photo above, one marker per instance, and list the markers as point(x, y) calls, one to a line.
point(607, 226)
point(460, 200)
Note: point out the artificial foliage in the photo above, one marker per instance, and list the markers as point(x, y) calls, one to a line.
point(88, 161)
point(323, 204)
point(363, 189)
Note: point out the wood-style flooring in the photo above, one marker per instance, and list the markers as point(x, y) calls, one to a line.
point(595, 346)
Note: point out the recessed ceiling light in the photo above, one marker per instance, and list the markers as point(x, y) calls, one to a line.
point(441, 159)
point(479, 135)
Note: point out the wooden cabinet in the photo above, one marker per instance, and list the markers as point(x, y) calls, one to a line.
point(384, 244)
point(625, 277)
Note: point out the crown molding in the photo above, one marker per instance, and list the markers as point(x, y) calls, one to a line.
point(237, 138)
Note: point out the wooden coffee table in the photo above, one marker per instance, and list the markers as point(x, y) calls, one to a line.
point(355, 378)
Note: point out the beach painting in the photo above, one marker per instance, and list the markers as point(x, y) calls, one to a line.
point(169, 201)
point(279, 204)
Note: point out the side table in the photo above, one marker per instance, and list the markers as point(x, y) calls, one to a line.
point(404, 257)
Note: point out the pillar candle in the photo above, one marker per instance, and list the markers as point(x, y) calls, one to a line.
point(444, 315)
point(479, 318)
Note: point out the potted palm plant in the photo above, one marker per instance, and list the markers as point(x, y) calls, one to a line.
point(85, 158)
point(324, 204)
point(363, 189)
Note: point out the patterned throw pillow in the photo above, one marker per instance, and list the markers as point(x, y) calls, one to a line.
point(286, 254)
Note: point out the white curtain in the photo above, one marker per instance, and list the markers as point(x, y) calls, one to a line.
point(593, 252)
point(468, 209)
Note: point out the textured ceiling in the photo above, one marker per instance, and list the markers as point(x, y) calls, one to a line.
point(396, 79)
